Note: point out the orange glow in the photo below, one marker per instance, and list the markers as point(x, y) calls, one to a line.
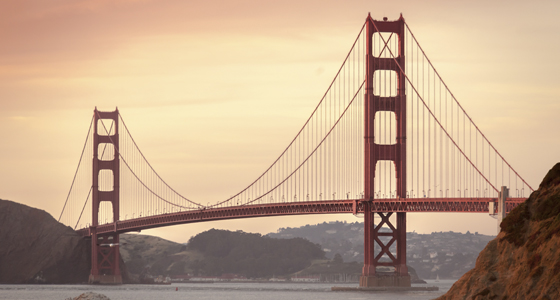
point(213, 91)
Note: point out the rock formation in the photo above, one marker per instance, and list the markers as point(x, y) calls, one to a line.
point(523, 261)
point(35, 248)
point(90, 296)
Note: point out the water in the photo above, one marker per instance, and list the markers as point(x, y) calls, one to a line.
point(222, 290)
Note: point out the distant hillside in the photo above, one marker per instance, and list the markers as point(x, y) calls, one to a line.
point(217, 252)
point(346, 239)
point(523, 261)
point(251, 254)
point(144, 254)
point(443, 254)
point(35, 248)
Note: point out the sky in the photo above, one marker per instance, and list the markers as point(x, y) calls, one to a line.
point(213, 91)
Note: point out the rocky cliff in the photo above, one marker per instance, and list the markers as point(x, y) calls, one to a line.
point(523, 261)
point(35, 248)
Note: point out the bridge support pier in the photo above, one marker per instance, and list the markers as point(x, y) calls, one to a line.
point(371, 277)
point(105, 260)
point(391, 280)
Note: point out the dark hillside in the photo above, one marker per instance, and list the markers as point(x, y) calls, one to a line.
point(35, 248)
point(218, 252)
point(251, 254)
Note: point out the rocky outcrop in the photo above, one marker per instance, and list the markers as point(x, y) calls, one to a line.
point(35, 248)
point(523, 261)
point(90, 296)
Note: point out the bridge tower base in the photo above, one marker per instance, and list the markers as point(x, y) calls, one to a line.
point(371, 277)
point(105, 251)
point(105, 279)
point(389, 280)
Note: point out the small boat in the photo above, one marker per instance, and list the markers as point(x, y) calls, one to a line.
point(437, 278)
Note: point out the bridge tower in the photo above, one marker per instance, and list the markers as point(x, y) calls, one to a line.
point(105, 249)
point(384, 152)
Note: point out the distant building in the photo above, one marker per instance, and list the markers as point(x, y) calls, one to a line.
point(274, 279)
point(306, 278)
point(233, 277)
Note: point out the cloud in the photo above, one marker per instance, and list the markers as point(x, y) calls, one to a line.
point(20, 118)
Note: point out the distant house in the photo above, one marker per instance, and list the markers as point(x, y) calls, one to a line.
point(274, 279)
point(204, 278)
point(306, 278)
point(233, 277)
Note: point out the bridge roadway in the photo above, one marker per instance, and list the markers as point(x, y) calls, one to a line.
point(463, 205)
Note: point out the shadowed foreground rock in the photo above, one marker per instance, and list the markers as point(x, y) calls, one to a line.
point(523, 261)
point(90, 296)
point(35, 248)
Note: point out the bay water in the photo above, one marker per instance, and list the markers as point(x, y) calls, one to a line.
point(218, 290)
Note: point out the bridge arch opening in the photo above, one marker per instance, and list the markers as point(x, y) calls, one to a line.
point(385, 128)
point(385, 182)
point(105, 127)
point(105, 212)
point(106, 180)
point(106, 151)
point(379, 49)
point(385, 83)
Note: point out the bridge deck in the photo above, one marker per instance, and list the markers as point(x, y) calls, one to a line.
point(464, 205)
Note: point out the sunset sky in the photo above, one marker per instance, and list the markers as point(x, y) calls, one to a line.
point(213, 91)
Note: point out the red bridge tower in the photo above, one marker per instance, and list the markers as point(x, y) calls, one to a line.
point(105, 249)
point(384, 152)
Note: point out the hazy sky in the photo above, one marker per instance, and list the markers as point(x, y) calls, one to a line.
point(213, 91)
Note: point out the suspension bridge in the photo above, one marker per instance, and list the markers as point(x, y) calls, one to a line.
point(387, 138)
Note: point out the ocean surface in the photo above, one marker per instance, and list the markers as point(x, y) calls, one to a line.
point(222, 290)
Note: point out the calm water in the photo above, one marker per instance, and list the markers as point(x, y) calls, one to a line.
point(235, 291)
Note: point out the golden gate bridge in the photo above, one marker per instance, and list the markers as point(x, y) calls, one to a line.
point(387, 138)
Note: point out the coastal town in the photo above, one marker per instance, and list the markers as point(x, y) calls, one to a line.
point(438, 254)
